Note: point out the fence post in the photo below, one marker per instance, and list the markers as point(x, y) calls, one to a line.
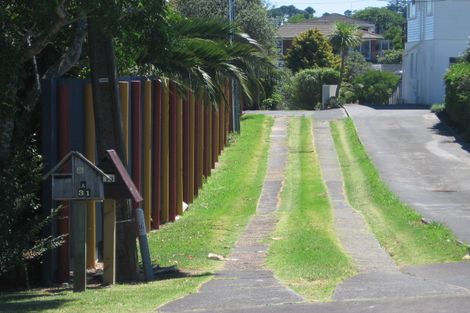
point(165, 154)
point(147, 150)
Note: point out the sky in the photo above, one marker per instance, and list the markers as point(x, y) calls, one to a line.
point(331, 6)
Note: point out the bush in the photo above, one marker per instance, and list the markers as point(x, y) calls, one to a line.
point(304, 90)
point(375, 87)
point(310, 49)
point(355, 65)
point(273, 103)
point(457, 102)
point(438, 107)
point(391, 57)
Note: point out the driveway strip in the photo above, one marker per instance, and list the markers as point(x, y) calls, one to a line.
point(244, 283)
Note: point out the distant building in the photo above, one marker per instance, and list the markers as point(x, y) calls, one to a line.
point(437, 34)
point(372, 43)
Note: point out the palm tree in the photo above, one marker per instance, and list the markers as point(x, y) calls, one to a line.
point(344, 37)
point(201, 56)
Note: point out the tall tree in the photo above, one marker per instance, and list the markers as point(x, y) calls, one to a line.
point(382, 18)
point(398, 6)
point(310, 11)
point(251, 16)
point(344, 37)
point(310, 49)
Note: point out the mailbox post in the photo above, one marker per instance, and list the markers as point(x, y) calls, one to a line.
point(84, 182)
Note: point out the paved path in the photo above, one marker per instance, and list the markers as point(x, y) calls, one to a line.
point(379, 277)
point(244, 283)
point(421, 161)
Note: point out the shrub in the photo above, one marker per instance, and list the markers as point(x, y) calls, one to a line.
point(356, 64)
point(457, 102)
point(310, 49)
point(438, 107)
point(273, 103)
point(305, 88)
point(391, 57)
point(375, 87)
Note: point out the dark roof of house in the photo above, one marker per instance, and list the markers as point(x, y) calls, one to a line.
point(325, 25)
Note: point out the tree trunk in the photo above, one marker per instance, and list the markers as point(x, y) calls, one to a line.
point(109, 135)
point(341, 72)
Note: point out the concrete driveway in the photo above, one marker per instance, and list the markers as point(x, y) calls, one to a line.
point(421, 160)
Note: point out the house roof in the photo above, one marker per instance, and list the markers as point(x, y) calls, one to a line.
point(325, 25)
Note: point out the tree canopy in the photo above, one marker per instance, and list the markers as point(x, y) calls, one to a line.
point(383, 18)
point(250, 16)
point(310, 49)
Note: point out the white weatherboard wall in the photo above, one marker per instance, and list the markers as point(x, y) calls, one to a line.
point(434, 36)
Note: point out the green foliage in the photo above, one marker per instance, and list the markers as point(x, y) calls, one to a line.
point(466, 54)
point(391, 57)
point(284, 12)
point(382, 18)
point(275, 102)
point(356, 64)
point(252, 16)
point(20, 221)
point(457, 100)
point(298, 18)
point(375, 87)
point(398, 6)
point(304, 90)
point(395, 34)
point(310, 49)
point(438, 107)
point(344, 37)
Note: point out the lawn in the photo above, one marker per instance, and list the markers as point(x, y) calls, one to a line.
point(398, 228)
point(305, 253)
point(213, 223)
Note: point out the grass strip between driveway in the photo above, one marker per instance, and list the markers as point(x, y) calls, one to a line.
point(397, 227)
point(305, 252)
point(213, 223)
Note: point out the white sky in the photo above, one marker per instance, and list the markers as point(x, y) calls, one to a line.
point(330, 6)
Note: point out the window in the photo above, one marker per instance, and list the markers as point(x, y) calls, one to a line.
point(428, 7)
point(365, 49)
point(411, 10)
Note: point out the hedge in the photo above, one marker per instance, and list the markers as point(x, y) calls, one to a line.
point(457, 101)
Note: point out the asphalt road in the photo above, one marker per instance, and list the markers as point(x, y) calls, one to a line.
point(421, 160)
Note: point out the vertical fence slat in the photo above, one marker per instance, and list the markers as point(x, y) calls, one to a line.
point(157, 155)
point(136, 105)
point(192, 134)
point(165, 154)
point(90, 154)
point(207, 139)
point(186, 153)
point(124, 98)
point(179, 155)
point(173, 143)
point(215, 135)
point(147, 119)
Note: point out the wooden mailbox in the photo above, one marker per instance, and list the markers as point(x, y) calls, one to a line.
point(81, 181)
point(76, 179)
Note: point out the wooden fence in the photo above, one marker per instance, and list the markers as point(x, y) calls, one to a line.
point(172, 142)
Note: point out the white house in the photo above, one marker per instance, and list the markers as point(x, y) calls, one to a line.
point(438, 32)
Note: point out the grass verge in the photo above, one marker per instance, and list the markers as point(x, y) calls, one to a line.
point(397, 227)
point(213, 223)
point(306, 254)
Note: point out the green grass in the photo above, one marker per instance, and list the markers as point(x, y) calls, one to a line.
point(212, 224)
point(306, 254)
point(397, 227)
